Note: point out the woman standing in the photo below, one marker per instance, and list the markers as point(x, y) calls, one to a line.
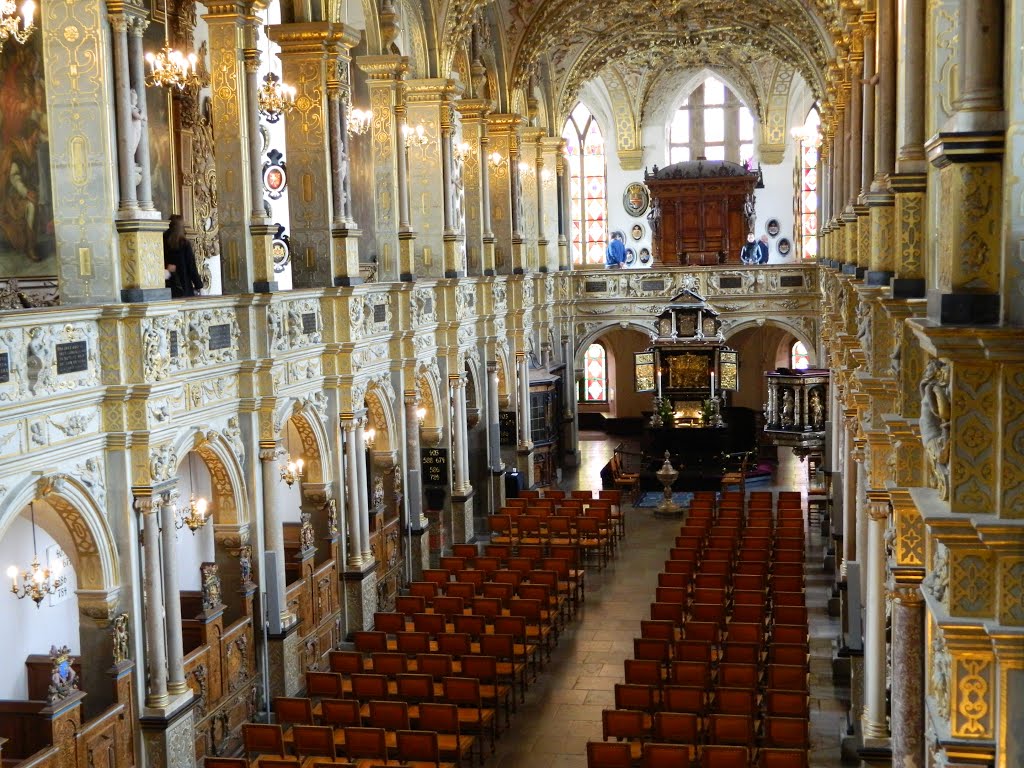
point(180, 261)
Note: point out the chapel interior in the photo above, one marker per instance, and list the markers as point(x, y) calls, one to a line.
point(420, 478)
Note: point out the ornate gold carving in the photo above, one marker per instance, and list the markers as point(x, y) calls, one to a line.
point(974, 689)
point(972, 584)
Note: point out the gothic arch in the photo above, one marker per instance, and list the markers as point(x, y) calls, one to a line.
point(74, 519)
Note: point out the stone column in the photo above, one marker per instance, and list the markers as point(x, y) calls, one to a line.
point(477, 185)
point(503, 130)
point(523, 369)
point(172, 604)
point(353, 510)
point(850, 458)
point(868, 97)
point(883, 244)
point(364, 493)
point(980, 104)
point(908, 642)
point(493, 418)
point(414, 480)
point(261, 228)
point(874, 718)
point(911, 180)
point(128, 202)
point(344, 232)
point(156, 649)
point(391, 228)
point(572, 435)
point(311, 53)
point(137, 69)
point(273, 531)
point(856, 121)
point(564, 214)
point(547, 202)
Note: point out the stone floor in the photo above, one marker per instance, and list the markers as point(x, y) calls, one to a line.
point(563, 708)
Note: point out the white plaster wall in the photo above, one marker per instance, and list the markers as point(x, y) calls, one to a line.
point(29, 629)
point(193, 549)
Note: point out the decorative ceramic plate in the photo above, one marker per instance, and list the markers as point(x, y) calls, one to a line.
point(645, 256)
point(773, 228)
point(637, 231)
point(636, 199)
point(630, 256)
point(784, 246)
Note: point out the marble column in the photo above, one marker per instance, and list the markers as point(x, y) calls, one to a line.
point(273, 530)
point(980, 102)
point(172, 604)
point(476, 185)
point(908, 699)
point(868, 99)
point(849, 498)
point(457, 432)
point(156, 648)
point(493, 418)
point(564, 214)
point(523, 369)
point(353, 511)
point(137, 70)
point(128, 202)
point(856, 123)
point(873, 720)
point(364, 493)
point(485, 199)
point(414, 478)
point(885, 95)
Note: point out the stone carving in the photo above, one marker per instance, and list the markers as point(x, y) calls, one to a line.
point(528, 296)
point(138, 126)
point(278, 341)
point(788, 408)
point(91, 475)
point(368, 354)
point(369, 314)
point(210, 581)
point(306, 535)
point(422, 306)
point(332, 517)
point(936, 582)
point(63, 678)
point(935, 419)
point(159, 410)
point(863, 314)
point(163, 462)
point(120, 636)
point(75, 424)
point(245, 565)
point(156, 350)
point(940, 676)
point(41, 372)
point(317, 401)
point(465, 301)
point(500, 293)
point(233, 436)
point(198, 324)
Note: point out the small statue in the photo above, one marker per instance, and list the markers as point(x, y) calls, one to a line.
point(817, 410)
point(63, 679)
point(120, 633)
point(245, 565)
point(138, 126)
point(306, 534)
point(788, 408)
point(935, 419)
point(211, 586)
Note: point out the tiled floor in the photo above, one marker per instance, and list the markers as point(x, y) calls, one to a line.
point(563, 708)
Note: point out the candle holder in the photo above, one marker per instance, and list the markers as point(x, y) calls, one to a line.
point(666, 476)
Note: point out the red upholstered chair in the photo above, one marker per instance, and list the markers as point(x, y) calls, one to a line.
point(731, 729)
point(602, 754)
point(683, 698)
point(677, 727)
point(721, 756)
point(630, 725)
point(658, 755)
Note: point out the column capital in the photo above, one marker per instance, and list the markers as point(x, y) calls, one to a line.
point(100, 606)
point(905, 594)
point(268, 450)
point(314, 37)
point(411, 396)
point(144, 501)
point(387, 67)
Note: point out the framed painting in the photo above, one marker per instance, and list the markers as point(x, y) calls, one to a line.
point(28, 246)
point(636, 199)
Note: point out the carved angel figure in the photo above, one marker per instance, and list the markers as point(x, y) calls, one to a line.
point(788, 408)
point(936, 582)
point(940, 676)
point(935, 417)
point(817, 410)
point(40, 360)
point(120, 633)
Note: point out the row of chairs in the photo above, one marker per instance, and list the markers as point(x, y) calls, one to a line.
point(705, 676)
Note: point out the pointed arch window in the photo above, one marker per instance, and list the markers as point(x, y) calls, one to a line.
point(595, 374)
point(808, 140)
point(713, 123)
point(588, 186)
point(799, 359)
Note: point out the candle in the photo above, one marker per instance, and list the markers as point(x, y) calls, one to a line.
point(659, 382)
point(712, 383)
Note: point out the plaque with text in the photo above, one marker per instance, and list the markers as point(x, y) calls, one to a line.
point(309, 322)
point(507, 427)
point(220, 336)
point(380, 313)
point(435, 466)
point(5, 367)
point(175, 351)
point(73, 357)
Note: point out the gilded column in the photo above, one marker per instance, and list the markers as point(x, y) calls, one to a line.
point(137, 70)
point(172, 604)
point(230, 34)
point(261, 229)
point(344, 232)
point(119, 23)
point(503, 130)
point(394, 237)
point(547, 202)
point(353, 510)
point(529, 188)
point(476, 185)
point(908, 643)
point(414, 480)
point(311, 53)
point(156, 649)
point(882, 258)
point(273, 532)
point(910, 182)
point(874, 718)
point(868, 93)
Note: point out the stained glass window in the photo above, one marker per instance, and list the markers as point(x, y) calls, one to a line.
point(798, 358)
point(808, 140)
point(711, 123)
point(588, 210)
point(595, 372)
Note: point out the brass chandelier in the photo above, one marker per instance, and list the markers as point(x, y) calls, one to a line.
point(358, 121)
point(291, 471)
point(36, 582)
point(195, 514)
point(9, 21)
point(171, 68)
point(275, 97)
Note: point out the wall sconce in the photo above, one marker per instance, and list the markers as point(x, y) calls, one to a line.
point(359, 121)
point(495, 159)
point(421, 414)
point(415, 137)
point(461, 151)
point(369, 436)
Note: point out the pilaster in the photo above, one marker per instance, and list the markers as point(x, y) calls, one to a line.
point(506, 193)
point(476, 186)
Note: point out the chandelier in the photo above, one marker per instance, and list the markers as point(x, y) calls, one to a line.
point(415, 137)
point(359, 121)
point(194, 515)
point(170, 68)
point(9, 21)
point(461, 151)
point(275, 97)
point(37, 582)
point(291, 470)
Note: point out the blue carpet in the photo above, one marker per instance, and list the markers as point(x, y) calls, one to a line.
point(653, 498)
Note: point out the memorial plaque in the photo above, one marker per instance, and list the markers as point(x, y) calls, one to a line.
point(5, 368)
point(791, 281)
point(73, 357)
point(309, 322)
point(380, 313)
point(435, 466)
point(175, 350)
point(220, 336)
point(652, 285)
point(595, 286)
point(730, 282)
point(507, 427)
